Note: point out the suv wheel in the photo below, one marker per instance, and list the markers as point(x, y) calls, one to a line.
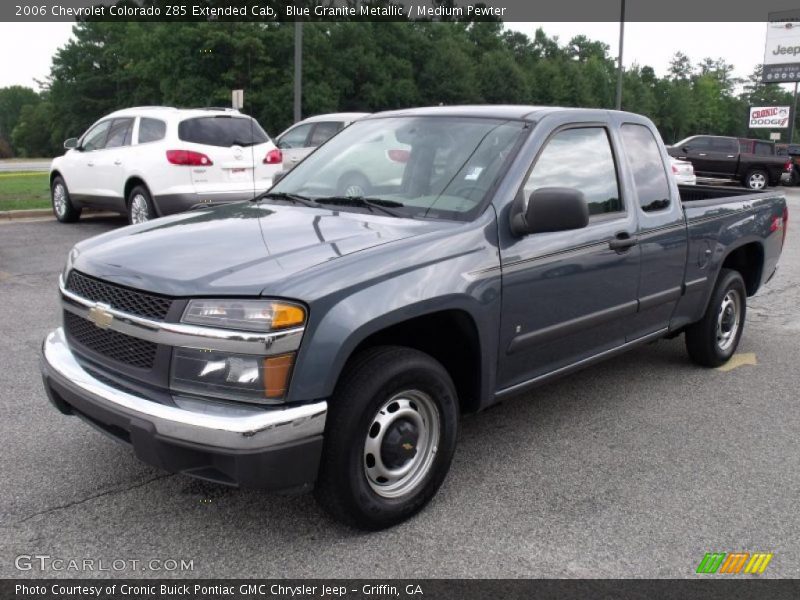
point(389, 439)
point(353, 184)
point(756, 179)
point(714, 338)
point(63, 208)
point(140, 206)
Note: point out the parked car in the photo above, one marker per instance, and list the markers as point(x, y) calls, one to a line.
point(307, 339)
point(721, 157)
point(151, 161)
point(683, 171)
point(303, 137)
point(792, 151)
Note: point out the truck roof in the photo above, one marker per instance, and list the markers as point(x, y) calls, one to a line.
point(495, 111)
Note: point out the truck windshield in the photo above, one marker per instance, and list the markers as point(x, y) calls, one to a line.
point(420, 167)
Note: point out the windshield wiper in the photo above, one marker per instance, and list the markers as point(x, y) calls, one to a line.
point(384, 205)
point(242, 144)
point(296, 198)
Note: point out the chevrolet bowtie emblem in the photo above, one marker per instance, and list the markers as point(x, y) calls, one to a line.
point(100, 316)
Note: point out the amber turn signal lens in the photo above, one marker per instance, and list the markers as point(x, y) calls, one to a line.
point(287, 315)
point(276, 375)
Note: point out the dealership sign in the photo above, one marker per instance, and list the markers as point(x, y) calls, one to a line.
point(769, 117)
point(782, 52)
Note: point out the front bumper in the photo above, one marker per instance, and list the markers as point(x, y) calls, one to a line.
point(268, 448)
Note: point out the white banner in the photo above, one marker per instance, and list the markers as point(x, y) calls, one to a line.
point(769, 117)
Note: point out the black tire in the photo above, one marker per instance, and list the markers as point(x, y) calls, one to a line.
point(63, 208)
point(795, 178)
point(140, 205)
point(353, 184)
point(756, 180)
point(372, 381)
point(703, 341)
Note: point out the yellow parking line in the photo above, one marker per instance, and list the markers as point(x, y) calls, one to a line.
point(739, 360)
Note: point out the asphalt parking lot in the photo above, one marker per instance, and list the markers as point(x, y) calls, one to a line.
point(634, 468)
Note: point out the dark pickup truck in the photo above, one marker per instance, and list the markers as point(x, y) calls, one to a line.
point(311, 338)
point(723, 157)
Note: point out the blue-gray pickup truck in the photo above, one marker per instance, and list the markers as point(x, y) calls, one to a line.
point(420, 265)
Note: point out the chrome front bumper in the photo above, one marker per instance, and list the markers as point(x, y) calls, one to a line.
point(212, 425)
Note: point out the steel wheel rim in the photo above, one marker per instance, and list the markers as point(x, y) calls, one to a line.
point(139, 210)
point(729, 320)
point(757, 181)
point(60, 200)
point(409, 407)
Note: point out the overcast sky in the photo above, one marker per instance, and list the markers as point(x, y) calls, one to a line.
point(27, 48)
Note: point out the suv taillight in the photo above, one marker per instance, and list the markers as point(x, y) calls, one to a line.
point(398, 155)
point(674, 169)
point(788, 165)
point(273, 157)
point(188, 158)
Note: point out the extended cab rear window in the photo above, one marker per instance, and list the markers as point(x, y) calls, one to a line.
point(222, 131)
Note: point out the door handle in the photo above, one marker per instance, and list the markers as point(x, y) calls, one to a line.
point(118, 162)
point(90, 164)
point(622, 242)
point(701, 154)
point(731, 156)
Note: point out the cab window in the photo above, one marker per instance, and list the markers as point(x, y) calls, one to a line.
point(580, 158)
point(95, 138)
point(119, 134)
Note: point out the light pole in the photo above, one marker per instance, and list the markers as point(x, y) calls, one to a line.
point(298, 70)
point(619, 58)
point(793, 113)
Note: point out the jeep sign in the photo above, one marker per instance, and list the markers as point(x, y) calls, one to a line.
point(782, 52)
point(769, 117)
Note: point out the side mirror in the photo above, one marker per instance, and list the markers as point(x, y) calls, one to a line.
point(278, 176)
point(71, 143)
point(551, 209)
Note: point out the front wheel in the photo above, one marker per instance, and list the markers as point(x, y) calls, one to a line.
point(756, 179)
point(389, 438)
point(714, 338)
point(63, 208)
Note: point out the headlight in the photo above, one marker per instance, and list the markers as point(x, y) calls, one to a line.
point(231, 376)
point(247, 315)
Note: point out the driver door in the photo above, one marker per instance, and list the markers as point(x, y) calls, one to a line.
point(567, 294)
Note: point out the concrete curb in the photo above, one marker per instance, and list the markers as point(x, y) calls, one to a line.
point(39, 213)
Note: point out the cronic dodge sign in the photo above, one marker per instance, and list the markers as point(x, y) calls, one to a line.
point(769, 117)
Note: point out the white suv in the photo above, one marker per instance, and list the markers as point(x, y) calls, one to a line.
point(302, 138)
point(153, 161)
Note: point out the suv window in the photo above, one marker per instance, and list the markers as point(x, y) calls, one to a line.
point(595, 174)
point(323, 132)
point(119, 134)
point(647, 166)
point(222, 130)
point(151, 130)
point(95, 138)
point(295, 138)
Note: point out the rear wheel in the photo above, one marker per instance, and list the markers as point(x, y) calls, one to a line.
point(389, 439)
point(63, 208)
point(353, 184)
point(714, 338)
point(756, 179)
point(140, 206)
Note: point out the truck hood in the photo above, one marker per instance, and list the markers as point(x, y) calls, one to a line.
point(237, 249)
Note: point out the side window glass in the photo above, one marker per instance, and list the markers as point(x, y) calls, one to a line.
point(295, 138)
point(652, 185)
point(579, 158)
point(119, 134)
point(151, 130)
point(95, 138)
point(323, 132)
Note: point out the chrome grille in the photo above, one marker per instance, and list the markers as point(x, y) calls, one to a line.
point(110, 344)
point(126, 300)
